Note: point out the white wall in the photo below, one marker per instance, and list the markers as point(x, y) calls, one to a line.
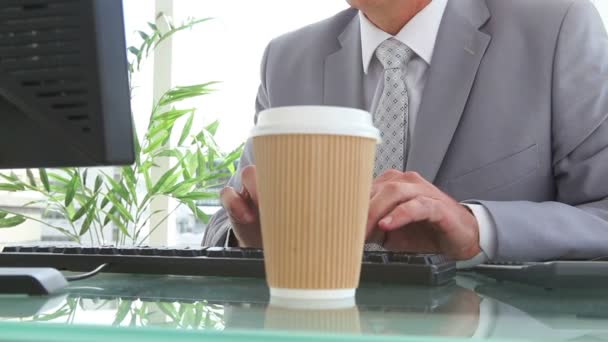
point(229, 49)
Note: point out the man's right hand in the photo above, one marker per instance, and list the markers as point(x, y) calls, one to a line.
point(242, 209)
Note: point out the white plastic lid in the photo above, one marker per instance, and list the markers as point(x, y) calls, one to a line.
point(316, 120)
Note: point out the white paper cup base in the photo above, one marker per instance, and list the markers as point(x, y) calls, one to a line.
point(313, 304)
point(307, 294)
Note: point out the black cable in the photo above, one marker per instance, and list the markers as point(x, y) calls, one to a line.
point(88, 274)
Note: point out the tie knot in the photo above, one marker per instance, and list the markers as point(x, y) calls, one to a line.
point(393, 54)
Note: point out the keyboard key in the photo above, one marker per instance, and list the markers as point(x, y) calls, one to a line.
point(72, 250)
point(148, 251)
point(215, 252)
point(90, 250)
point(418, 259)
point(232, 252)
point(379, 258)
point(167, 252)
point(187, 252)
point(11, 249)
point(128, 251)
point(253, 253)
point(402, 258)
point(108, 251)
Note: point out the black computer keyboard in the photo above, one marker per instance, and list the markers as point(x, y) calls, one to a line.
point(390, 267)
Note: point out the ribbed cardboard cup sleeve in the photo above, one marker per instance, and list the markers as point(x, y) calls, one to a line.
point(313, 196)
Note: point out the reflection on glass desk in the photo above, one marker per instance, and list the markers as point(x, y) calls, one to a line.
point(470, 307)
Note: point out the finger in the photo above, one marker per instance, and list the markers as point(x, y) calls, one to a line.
point(248, 179)
point(387, 176)
point(387, 198)
point(413, 177)
point(376, 236)
point(239, 209)
point(415, 210)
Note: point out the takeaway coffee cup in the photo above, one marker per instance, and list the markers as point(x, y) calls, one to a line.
point(314, 176)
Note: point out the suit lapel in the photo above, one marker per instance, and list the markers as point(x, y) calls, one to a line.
point(459, 50)
point(343, 84)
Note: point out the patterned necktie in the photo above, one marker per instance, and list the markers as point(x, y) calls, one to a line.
point(391, 116)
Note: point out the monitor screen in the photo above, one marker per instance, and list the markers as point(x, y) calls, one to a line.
point(64, 88)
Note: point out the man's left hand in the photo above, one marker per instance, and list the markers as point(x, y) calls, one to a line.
point(418, 217)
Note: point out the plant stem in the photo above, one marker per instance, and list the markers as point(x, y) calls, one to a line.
point(159, 223)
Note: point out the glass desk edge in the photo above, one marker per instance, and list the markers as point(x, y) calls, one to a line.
point(30, 332)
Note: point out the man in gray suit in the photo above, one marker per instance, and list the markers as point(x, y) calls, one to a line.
point(503, 118)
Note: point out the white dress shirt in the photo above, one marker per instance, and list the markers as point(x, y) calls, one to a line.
point(419, 34)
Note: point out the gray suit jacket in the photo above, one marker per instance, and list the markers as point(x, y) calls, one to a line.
point(513, 116)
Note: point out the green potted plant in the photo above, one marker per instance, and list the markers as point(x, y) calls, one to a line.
point(115, 207)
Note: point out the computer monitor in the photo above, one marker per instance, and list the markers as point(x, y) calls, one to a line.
point(64, 88)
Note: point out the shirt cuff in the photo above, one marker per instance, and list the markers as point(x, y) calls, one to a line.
point(487, 236)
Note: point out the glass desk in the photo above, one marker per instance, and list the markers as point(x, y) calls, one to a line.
point(160, 308)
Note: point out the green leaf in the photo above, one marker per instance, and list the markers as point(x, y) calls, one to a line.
point(197, 196)
point(200, 167)
point(58, 178)
point(168, 310)
point(85, 175)
point(120, 207)
point(134, 50)
point(86, 225)
point(130, 181)
point(153, 26)
point(198, 315)
point(185, 92)
point(231, 158)
point(143, 35)
point(170, 182)
point(160, 184)
point(200, 215)
point(109, 216)
point(3, 214)
point(71, 191)
point(121, 226)
point(123, 309)
point(137, 146)
point(10, 178)
point(10, 187)
point(98, 183)
point(186, 130)
point(13, 221)
point(30, 177)
point(212, 128)
point(169, 153)
point(49, 317)
point(157, 142)
point(186, 185)
point(185, 172)
point(84, 209)
point(118, 187)
point(158, 128)
point(172, 114)
point(148, 180)
point(104, 202)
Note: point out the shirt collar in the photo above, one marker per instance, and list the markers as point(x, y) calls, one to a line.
point(419, 34)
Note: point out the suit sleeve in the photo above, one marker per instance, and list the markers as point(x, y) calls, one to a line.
point(219, 228)
point(575, 226)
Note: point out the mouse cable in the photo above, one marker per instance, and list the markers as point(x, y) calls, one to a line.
point(88, 274)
